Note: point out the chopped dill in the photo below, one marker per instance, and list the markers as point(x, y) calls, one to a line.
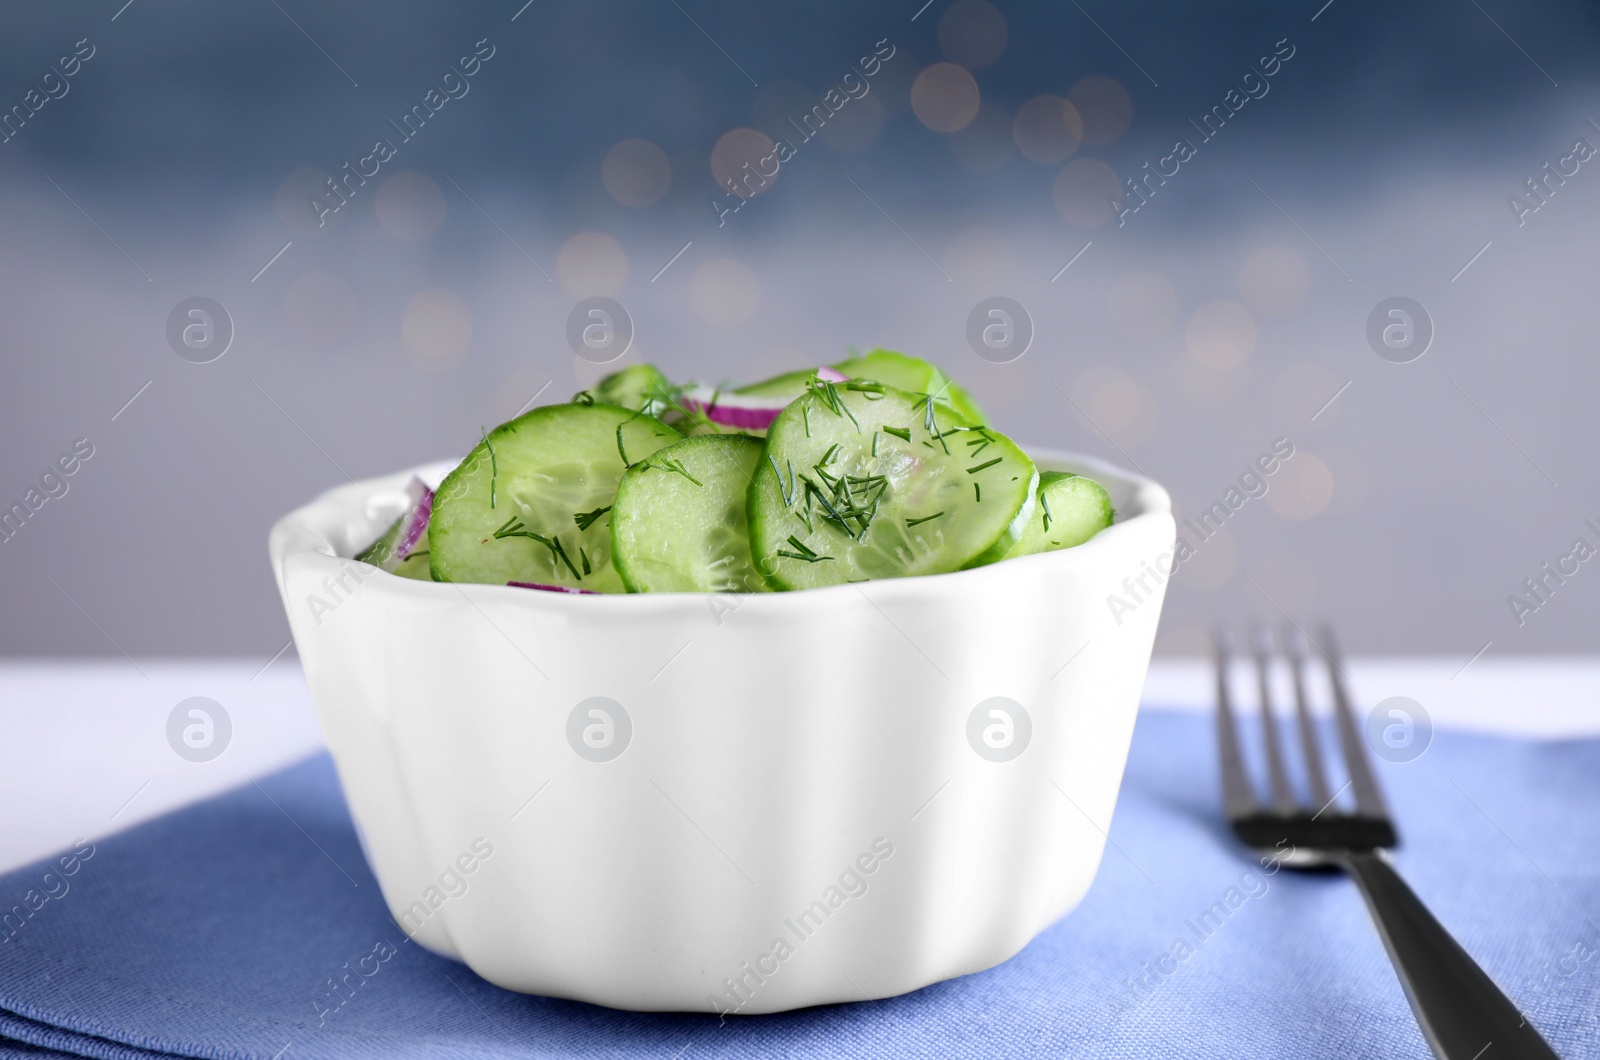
point(676, 467)
point(559, 551)
point(513, 527)
point(930, 423)
point(494, 465)
point(665, 399)
point(902, 433)
point(585, 556)
point(804, 553)
point(926, 518)
point(977, 494)
point(829, 394)
point(814, 491)
point(788, 492)
point(587, 519)
point(986, 463)
point(626, 463)
point(866, 388)
point(1044, 502)
point(851, 501)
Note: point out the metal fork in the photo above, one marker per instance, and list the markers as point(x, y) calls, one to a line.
point(1461, 1012)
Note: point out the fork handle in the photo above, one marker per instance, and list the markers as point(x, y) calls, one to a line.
point(1460, 1010)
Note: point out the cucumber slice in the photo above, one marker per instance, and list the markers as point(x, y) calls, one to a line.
point(787, 386)
point(631, 388)
point(528, 503)
point(1071, 509)
point(913, 374)
point(678, 525)
point(861, 480)
point(416, 565)
point(399, 542)
point(381, 552)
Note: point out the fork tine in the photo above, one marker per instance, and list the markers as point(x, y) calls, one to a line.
point(1369, 801)
point(1294, 647)
point(1237, 797)
point(1282, 794)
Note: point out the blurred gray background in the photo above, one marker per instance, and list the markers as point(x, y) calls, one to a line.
point(1230, 310)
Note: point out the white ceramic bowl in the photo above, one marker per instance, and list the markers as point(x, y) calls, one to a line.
point(820, 796)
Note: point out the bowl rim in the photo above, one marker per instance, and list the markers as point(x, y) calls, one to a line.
point(305, 534)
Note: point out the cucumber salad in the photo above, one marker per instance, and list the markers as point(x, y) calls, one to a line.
point(880, 466)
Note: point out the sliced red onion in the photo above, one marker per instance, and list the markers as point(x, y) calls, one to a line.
point(744, 411)
point(417, 517)
point(402, 535)
point(747, 412)
point(745, 419)
point(554, 588)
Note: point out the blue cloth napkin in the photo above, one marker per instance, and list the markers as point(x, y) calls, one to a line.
point(213, 932)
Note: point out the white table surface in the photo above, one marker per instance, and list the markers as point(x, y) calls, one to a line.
point(85, 748)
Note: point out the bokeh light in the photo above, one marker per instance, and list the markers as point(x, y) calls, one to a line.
point(856, 126)
point(592, 263)
point(1221, 335)
point(1047, 129)
point(984, 144)
point(1204, 388)
point(636, 173)
point(1087, 192)
point(725, 292)
point(737, 162)
point(409, 205)
point(1143, 305)
point(1115, 404)
point(1274, 281)
point(1105, 108)
point(320, 306)
point(972, 33)
point(437, 327)
point(1302, 486)
point(945, 97)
